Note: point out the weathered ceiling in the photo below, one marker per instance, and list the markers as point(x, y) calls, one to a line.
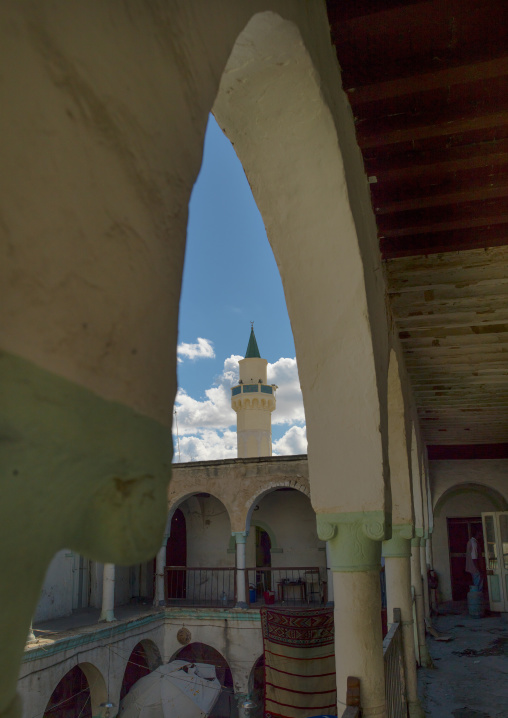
point(428, 86)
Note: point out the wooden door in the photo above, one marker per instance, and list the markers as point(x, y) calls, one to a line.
point(176, 555)
point(460, 531)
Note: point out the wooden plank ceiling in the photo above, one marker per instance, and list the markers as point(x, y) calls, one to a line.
point(428, 86)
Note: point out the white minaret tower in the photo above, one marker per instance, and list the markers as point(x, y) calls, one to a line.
point(253, 400)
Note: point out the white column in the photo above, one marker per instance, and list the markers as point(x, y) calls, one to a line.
point(397, 553)
point(355, 551)
point(108, 593)
point(329, 577)
point(416, 579)
point(160, 565)
point(241, 596)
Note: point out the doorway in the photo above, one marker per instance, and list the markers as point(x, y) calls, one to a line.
point(496, 535)
point(176, 555)
point(263, 560)
point(460, 530)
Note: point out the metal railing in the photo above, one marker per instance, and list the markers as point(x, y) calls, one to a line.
point(290, 586)
point(207, 587)
point(395, 683)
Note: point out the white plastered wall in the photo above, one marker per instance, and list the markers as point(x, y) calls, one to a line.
point(462, 488)
point(291, 518)
point(57, 591)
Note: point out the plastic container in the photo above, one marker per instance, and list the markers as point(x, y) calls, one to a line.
point(475, 602)
point(252, 594)
point(269, 597)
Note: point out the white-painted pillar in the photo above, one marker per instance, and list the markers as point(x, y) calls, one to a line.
point(416, 579)
point(160, 565)
point(355, 551)
point(397, 553)
point(329, 577)
point(108, 593)
point(241, 595)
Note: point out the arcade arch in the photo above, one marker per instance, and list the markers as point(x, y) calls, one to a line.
point(144, 658)
point(78, 693)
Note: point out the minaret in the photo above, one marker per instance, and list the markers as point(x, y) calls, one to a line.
point(253, 400)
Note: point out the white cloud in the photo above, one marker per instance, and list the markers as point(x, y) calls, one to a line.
point(215, 411)
point(284, 373)
point(207, 446)
point(207, 427)
point(294, 441)
point(202, 349)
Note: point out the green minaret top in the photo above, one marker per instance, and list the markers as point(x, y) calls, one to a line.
point(252, 347)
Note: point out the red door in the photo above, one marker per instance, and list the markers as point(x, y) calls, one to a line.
point(460, 531)
point(176, 555)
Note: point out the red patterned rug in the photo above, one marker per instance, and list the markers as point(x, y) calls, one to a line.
point(299, 663)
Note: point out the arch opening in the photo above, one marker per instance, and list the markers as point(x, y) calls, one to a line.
point(203, 653)
point(78, 694)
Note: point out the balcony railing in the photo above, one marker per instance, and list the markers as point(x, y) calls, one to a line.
point(216, 587)
point(395, 684)
point(206, 587)
point(291, 586)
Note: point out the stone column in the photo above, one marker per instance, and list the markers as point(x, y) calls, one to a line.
point(425, 582)
point(397, 553)
point(108, 593)
point(160, 565)
point(241, 596)
point(329, 577)
point(416, 579)
point(355, 550)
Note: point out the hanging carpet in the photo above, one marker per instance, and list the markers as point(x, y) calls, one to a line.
point(299, 662)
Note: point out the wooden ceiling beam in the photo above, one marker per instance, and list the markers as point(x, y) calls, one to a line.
point(443, 127)
point(443, 219)
point(466, 451)
point(424, 201)
point(440, 242)
point(427, 81)
point(431, 163)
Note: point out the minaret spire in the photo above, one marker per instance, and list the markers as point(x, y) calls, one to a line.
point(253, 399)
point(252, 347)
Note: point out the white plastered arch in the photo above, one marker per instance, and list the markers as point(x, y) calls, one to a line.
point(271, 107)
point(399, 448)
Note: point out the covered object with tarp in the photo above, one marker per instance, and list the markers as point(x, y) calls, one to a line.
point(176, 690)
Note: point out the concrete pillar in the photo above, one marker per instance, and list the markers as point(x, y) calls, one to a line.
point(425, 582)
point(108, 593)
point(329, 578)
point(241, 596)
point(160, 565)
point(355, 551)
point(397, 553)
point(416, 579)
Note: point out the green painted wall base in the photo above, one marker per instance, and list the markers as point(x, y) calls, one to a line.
point(77, 472)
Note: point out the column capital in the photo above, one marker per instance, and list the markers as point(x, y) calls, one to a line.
point(354, 538)
point(415, 541)
point(240, 536)
point(419, 532)
point(399, 546)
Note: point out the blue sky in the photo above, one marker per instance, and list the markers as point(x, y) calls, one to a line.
point(227, 253)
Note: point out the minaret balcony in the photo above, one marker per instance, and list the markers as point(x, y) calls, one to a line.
point(252, 389)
